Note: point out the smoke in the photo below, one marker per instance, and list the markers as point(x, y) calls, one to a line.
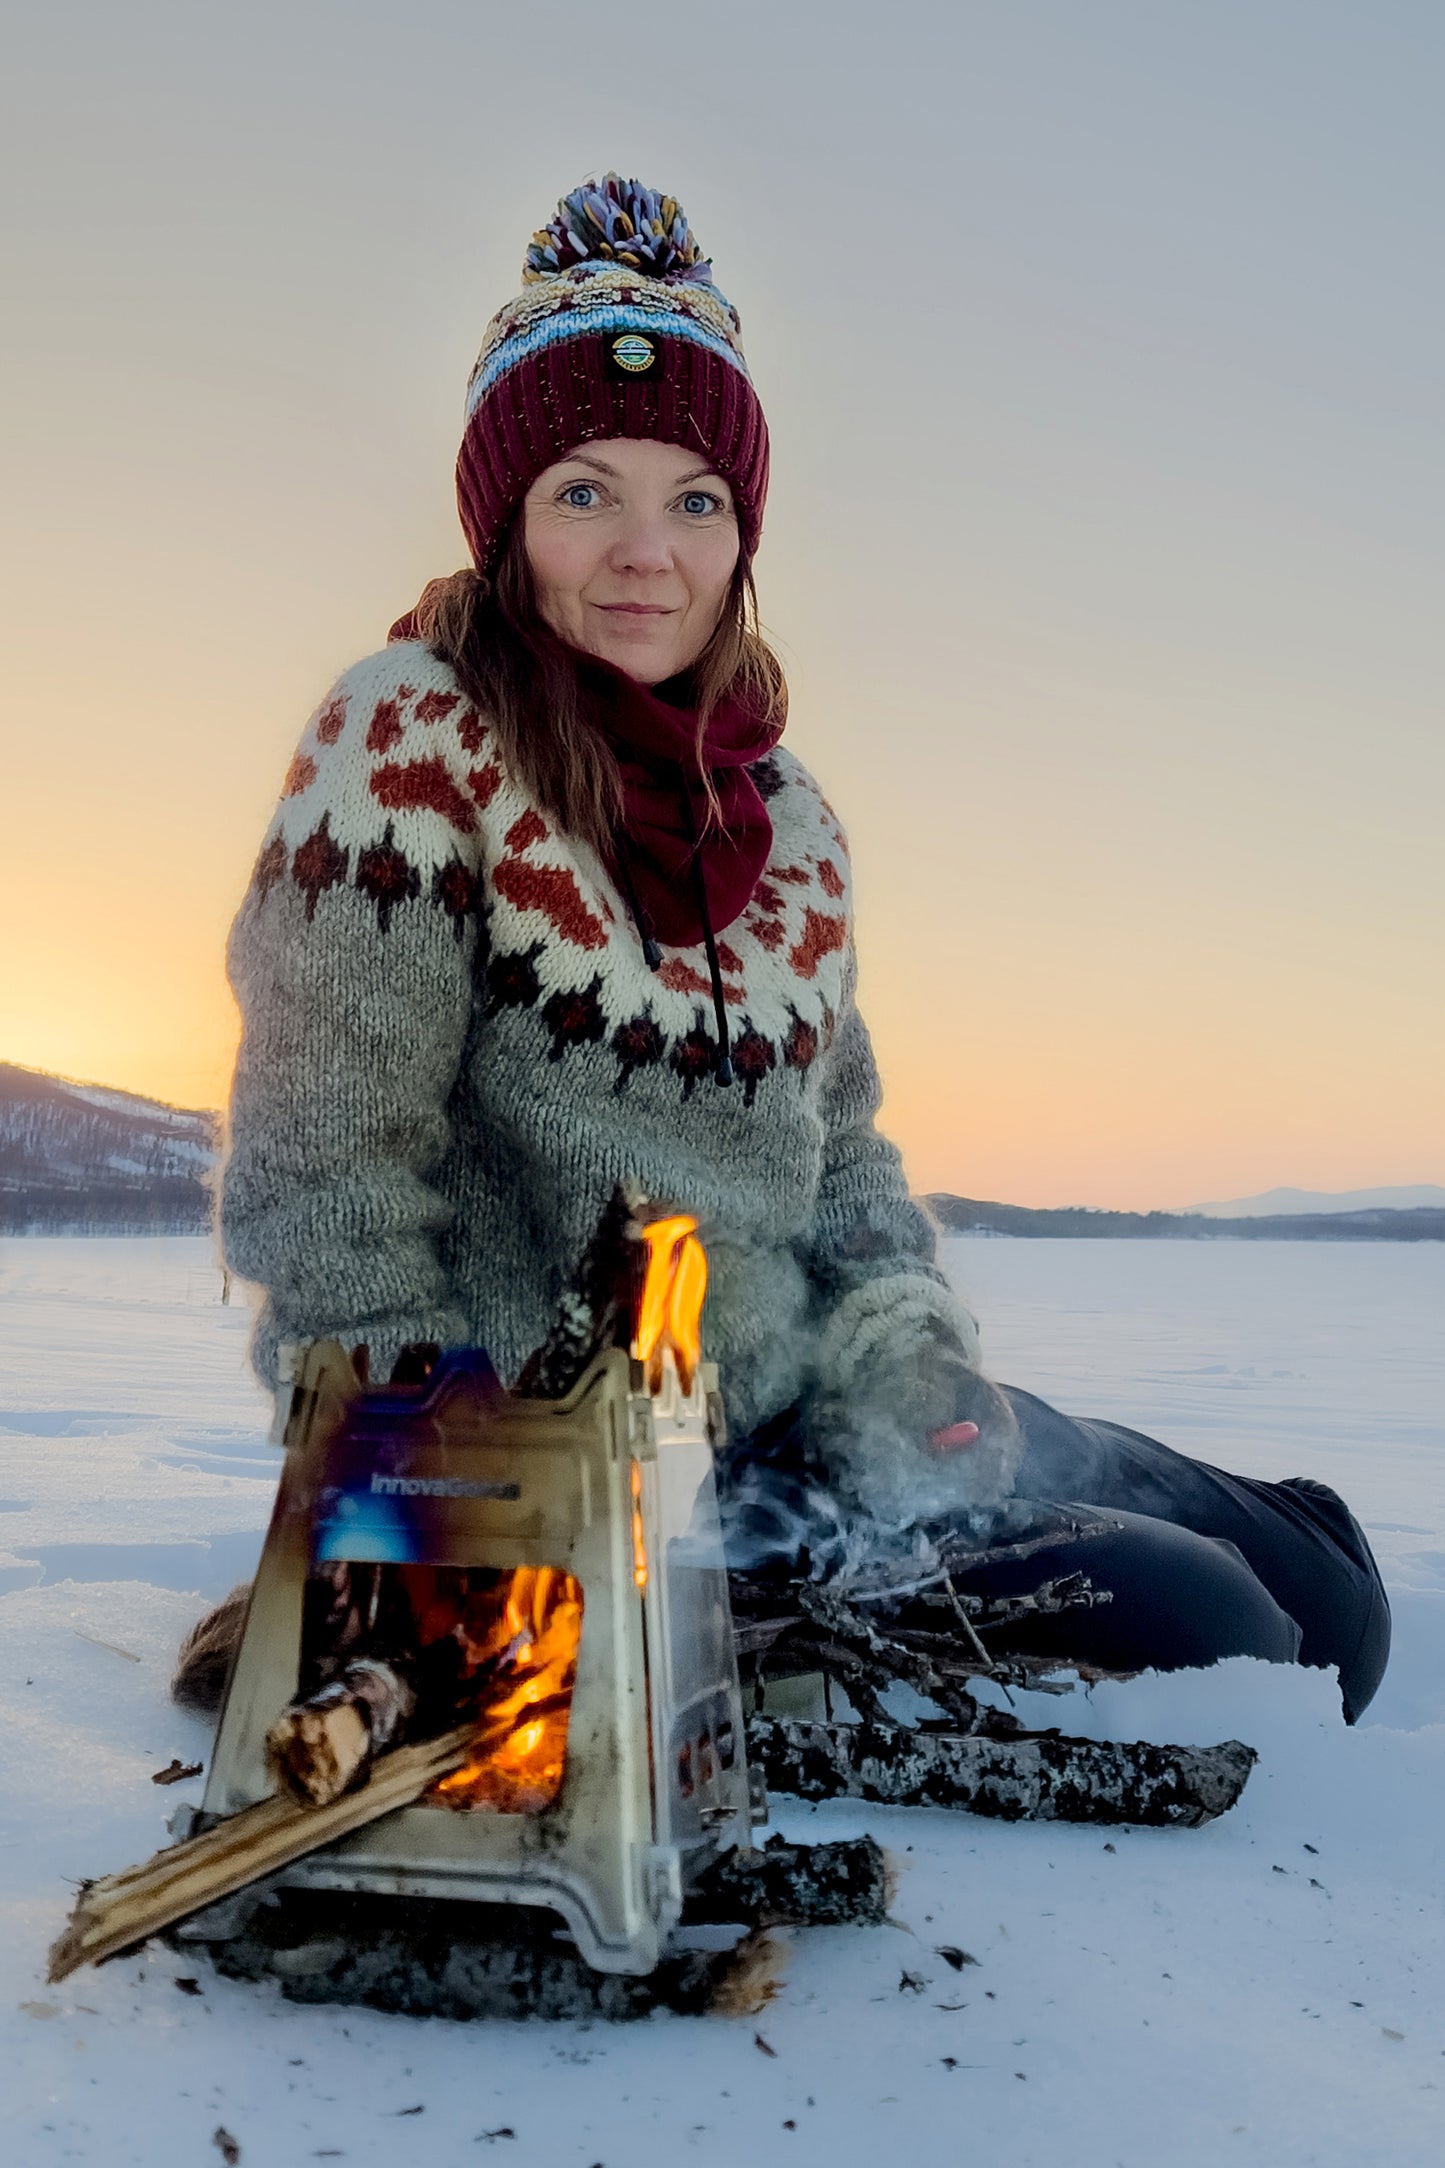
point(863, 1509)
point(844, 1483)
point(882, 1462)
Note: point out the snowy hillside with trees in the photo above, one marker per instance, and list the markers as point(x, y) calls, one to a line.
point(77, 1157)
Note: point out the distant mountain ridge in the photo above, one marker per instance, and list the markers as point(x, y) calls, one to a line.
point(979, 1216)
point(86, 1159)
point(82, 1158)
point(1280, 1203)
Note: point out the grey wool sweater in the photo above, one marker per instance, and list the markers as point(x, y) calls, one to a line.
point(453, 1048)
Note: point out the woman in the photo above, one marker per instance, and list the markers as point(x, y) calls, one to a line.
point(545, 905)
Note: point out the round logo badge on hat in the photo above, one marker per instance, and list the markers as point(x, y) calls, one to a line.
point(634, 354)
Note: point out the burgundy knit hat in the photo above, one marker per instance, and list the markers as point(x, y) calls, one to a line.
point(618, 332)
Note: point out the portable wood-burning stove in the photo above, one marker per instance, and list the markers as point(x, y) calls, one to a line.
point(489, 1653)
point(551, 1568)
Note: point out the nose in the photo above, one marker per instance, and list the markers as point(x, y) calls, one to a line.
point(642, 545)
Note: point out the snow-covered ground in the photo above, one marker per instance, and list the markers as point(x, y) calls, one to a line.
point(1268, 1991)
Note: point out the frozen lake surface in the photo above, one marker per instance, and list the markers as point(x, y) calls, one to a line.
point(1270, 1990)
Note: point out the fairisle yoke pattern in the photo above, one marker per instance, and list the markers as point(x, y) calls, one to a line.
point(453, 1048)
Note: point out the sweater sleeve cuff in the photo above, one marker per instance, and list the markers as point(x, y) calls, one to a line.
point(873, 1327)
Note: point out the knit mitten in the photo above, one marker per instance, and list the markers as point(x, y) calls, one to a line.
point(877, 1441)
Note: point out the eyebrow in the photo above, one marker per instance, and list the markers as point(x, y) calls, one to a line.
point(600, 466)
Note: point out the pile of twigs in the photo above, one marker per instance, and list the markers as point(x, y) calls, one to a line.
point(959, 1750)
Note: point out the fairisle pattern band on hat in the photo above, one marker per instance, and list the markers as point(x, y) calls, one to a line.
point(618, 332)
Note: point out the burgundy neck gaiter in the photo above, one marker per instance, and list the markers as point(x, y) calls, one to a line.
point(668, 828)
point(671, 837)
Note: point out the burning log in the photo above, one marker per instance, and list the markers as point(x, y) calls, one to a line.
point(404, 1654)
point(522, 1663)
point(1040, 1776)
point(325, 1745)
point(122, 1909)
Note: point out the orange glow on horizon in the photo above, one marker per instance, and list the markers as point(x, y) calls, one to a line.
point(1043, 1046)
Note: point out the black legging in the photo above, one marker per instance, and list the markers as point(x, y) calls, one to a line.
point(1207, 1564)
point(1202, 1564)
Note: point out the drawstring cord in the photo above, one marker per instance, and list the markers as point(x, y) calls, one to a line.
point(723, 1067)
point(641, 917)
point(651, 948)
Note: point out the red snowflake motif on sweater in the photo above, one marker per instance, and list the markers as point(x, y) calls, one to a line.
point(638, 1044)
point(820, 937)
point(269, 867)
point(484, 783)
point(830, 879)
point(299, 776)
point(456, 891)
point(552, 890)
point(320, 863)
point(423, 786)
point(434, 707)
point(384, 729)
point(753, 1058)
point(472, 731)
point(523, 833)
point(681, 978)
point(574, 1019)
point(387, 876)
point(800, 1048)
point(332, 720)
point(512, 981)
point(693, 1058)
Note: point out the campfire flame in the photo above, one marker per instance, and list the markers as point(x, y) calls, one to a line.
point(530, 1650)
point(670, 1312)
point(520, 1646)
point(639, 1533)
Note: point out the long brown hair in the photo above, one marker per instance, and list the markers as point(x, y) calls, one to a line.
point(526, 681)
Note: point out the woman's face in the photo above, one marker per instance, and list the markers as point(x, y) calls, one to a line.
point(632, 545)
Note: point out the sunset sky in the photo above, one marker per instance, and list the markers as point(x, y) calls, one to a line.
point(1101, 344)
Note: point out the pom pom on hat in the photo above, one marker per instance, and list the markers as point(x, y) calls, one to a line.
point(614, 221)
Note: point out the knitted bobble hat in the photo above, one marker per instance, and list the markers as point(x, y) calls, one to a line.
point(618, 332)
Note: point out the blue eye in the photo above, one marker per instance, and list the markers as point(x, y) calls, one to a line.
point(700, 500)
point(580, 495)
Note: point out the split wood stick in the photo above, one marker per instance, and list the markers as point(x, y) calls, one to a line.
point(122, 1909)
